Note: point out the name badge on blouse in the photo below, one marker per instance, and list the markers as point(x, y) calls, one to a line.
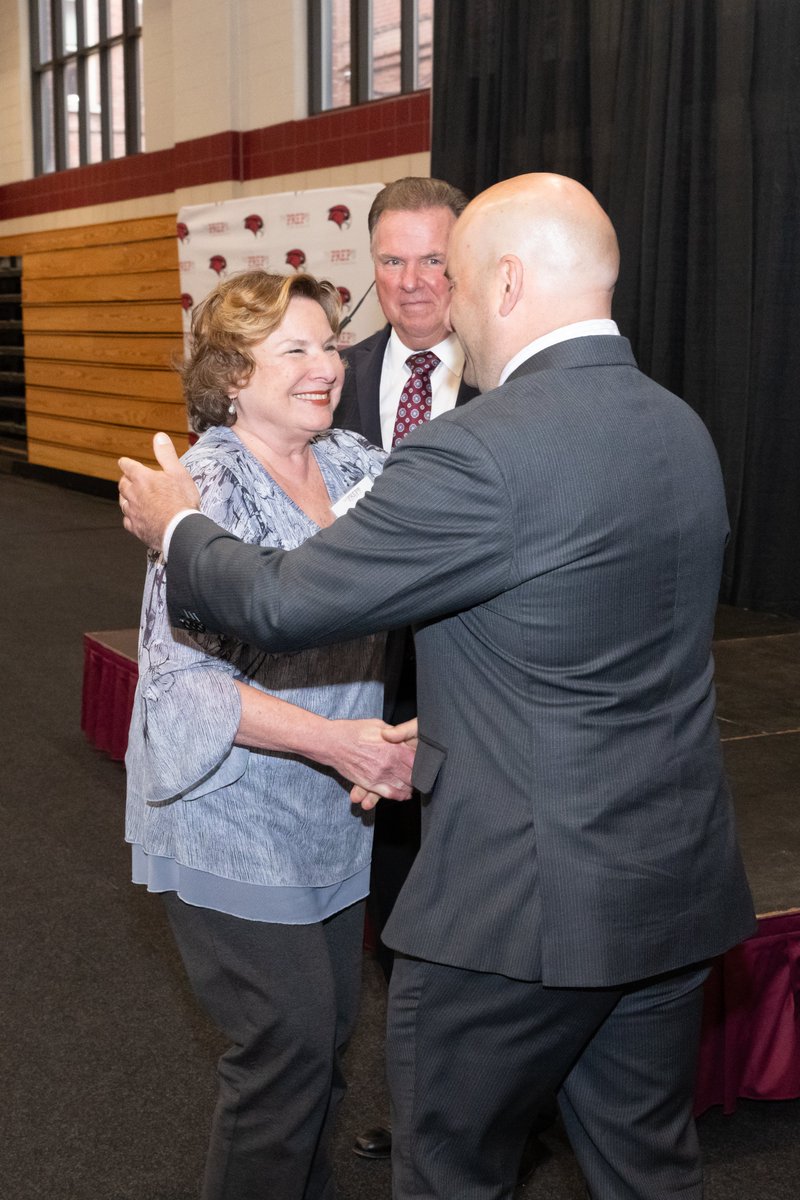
point(350, 499)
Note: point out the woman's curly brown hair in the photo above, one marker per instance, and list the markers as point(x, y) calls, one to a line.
point(238, 314)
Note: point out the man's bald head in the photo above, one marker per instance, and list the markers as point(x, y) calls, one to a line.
point(554, 225)
point(535, 252)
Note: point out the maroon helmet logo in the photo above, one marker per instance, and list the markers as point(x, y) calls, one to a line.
point(183, 231)
point(340, 215)
point(186, 301)
point(254, 223)
point(344, 295)
point(217, 263)
point(295, 258)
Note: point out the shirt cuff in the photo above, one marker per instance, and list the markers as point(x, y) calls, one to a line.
point(173, 525)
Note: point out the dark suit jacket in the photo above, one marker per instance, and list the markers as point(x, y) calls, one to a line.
point(359, 411)
point(561, 539)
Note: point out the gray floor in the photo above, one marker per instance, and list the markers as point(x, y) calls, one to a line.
point(107, 1069)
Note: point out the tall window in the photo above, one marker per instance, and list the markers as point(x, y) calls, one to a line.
point(87, 91)
point(367, 49)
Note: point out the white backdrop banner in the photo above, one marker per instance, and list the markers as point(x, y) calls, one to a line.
point(323, 231)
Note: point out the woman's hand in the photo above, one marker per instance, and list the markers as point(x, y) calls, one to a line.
point(405, 734)
point(375, 757)
point(369, 755)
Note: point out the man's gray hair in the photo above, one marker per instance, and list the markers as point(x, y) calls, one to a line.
point(415, 192)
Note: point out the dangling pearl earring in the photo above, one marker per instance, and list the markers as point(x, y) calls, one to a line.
point(232, 407)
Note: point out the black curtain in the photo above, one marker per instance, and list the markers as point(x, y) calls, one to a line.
point(682, 117)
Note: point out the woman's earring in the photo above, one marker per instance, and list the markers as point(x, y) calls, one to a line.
point(232, 406)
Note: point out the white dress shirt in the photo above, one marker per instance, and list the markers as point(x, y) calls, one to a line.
point(445, 380)
point(600, 327)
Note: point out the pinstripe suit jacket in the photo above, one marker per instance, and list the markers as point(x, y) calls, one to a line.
point(560, 539)
point(359, 410)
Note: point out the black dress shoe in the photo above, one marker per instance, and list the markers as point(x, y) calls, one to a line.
point(374, 1143)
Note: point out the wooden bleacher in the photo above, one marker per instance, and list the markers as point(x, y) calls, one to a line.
point(102, 323)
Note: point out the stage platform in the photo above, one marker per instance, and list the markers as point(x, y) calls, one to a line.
point(109, 681)
point(757, 660)
point(751, 1036)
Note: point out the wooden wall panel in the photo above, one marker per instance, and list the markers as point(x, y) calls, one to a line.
point(133, 258)
point(86, 436)
point(80, 462)
point(110, 381)
point(108, 410)
point(148, 317)
point(107, 289)
point(103, 331)
point(140, 229)
point(132, 350)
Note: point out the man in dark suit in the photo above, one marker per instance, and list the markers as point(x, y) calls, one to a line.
point(410, 222)
point(559, 540)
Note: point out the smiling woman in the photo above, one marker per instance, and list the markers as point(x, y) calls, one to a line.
point(290, 397)
point(264, 359)
point(239, 761)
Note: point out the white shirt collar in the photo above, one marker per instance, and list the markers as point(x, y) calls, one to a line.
point(449, 351)
point(600, 327)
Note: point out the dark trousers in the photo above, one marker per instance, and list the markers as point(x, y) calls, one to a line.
point(287, 998)
point(471, 1056)
point(397, 824)
point(394, 848)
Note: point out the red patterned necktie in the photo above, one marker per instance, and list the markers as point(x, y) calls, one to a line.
point(415, 400)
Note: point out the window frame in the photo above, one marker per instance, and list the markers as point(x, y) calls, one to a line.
point(361, 53)
point(56, 67)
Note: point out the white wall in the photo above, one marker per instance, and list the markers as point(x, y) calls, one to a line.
point(213, 65)
point(208, 66)
point(273, 62)
point(157, 75)
point(16, 152)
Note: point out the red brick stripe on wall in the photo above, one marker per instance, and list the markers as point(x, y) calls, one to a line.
point(381, 129)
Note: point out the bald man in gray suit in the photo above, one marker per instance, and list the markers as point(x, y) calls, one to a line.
point(559, 542)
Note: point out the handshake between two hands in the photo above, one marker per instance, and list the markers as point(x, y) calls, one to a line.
point(384, 759)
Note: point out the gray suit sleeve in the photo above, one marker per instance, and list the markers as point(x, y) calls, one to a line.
point(434, 536)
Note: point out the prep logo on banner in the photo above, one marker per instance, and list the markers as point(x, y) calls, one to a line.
point(323, 232)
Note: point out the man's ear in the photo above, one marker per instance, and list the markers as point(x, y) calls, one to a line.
point(511, 282)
